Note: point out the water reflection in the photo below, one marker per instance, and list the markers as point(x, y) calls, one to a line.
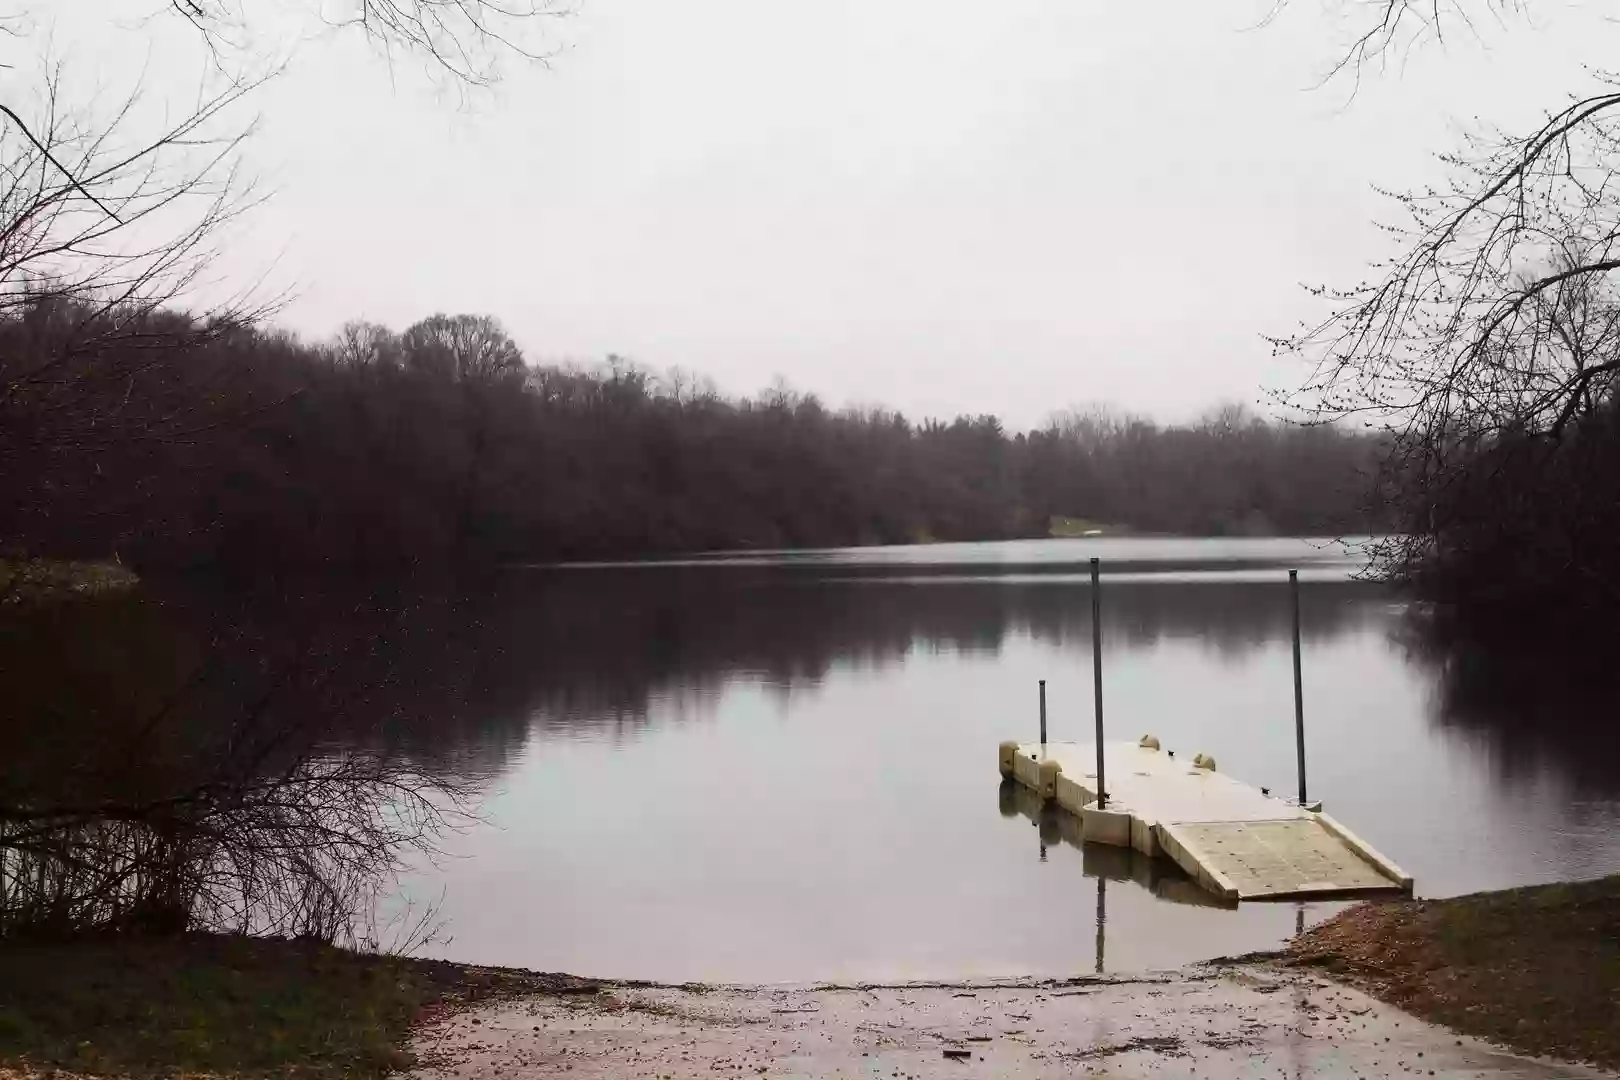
point(777, 770)
point(610, 642)
point(1159, 878)
point(166, 769)
point(465, 678)
point(1538, 704)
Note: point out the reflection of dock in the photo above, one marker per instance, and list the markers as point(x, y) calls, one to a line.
point(1233, 840)
point(1164, 879)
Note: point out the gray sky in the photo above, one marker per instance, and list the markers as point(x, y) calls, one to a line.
point(937, 205)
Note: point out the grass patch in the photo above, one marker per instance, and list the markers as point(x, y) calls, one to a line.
point(229, 1006)
point(1536, 969)
point(1071, 528)
point(32, 579)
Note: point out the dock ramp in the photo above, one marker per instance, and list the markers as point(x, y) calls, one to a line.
point(1236, 841)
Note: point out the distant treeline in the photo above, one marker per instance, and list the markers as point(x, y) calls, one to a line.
point(179, 444)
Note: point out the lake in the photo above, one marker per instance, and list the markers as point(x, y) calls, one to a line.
point(781, 767)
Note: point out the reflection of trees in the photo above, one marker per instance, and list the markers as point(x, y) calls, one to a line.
point(1231, 618)
point(169, 770)
point(657, 627)
point(1535, 701)
point(456, 680)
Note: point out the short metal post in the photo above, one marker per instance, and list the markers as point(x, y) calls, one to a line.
point(1043, 713)
point(1299, 686)
point(1096, 674)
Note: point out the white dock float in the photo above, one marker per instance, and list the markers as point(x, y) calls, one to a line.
point(1160, 877)
point(1234, 840)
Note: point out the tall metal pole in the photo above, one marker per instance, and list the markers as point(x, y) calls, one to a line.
point(1043, 714)
point(1299, 685)
point(1096, 674)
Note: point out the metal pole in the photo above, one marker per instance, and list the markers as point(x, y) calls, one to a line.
point(1043, 712)
point(1299, 686)
point(1096, 674)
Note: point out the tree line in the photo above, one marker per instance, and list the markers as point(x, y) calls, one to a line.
point(175, 444)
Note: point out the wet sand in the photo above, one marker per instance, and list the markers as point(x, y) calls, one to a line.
point(1208, 1023)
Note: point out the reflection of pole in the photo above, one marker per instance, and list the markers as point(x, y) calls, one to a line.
point(1299, 686)
point(1038, 819)
point(1297, 1033)
point(1102, 920)
point(1043, 714)
point(1096, 674)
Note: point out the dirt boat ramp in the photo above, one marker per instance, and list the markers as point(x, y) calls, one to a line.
point(1220, 1021)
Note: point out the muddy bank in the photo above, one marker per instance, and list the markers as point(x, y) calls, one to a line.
point(1209, 1023)
point(1536, 968)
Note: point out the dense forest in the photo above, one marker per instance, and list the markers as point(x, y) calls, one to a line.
point(174, 443)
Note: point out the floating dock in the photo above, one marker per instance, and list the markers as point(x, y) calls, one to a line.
point(1160, 877)
point(1236, 841)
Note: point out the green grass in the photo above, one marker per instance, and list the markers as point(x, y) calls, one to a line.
point(227, 1005)
point(1537, 969)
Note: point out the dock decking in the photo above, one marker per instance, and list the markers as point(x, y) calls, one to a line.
point(1236, 841)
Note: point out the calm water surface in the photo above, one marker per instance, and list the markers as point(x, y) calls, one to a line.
point(774, 768)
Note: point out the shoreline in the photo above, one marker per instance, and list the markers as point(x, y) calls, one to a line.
point(1536, 968)
point(1354, 997)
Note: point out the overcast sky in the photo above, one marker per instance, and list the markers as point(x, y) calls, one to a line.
point(939, 205)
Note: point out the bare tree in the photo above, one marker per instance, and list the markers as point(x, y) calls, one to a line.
point(362, 346)
point(463, 348)
point(1490, 335)
point(465, 40)
point(102, 205)
point(112, 213)
point(95, 212)
point(199, 814)
point(301, 851)
point(1379, 30)
point(109, 220)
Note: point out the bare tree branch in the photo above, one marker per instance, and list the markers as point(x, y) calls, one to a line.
point(464, 39)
